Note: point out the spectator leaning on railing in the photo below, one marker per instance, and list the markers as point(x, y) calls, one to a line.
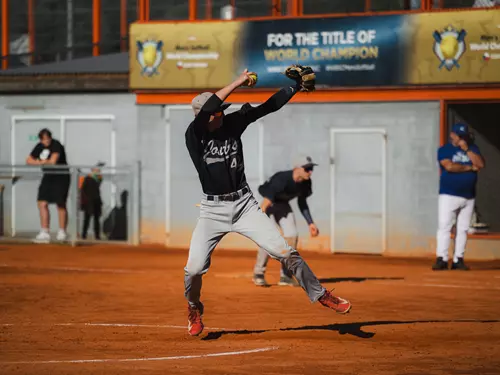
point(54, 185)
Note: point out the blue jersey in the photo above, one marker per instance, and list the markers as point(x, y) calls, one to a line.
point(460, 184)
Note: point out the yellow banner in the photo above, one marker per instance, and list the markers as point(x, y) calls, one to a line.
point(183, 55)
point(453, 47)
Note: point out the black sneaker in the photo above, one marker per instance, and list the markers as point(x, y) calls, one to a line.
point(440, 264)
point(460, 265)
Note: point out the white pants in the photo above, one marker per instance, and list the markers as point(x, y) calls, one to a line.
point(451, 207)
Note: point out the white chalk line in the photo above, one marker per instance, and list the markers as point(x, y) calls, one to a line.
point(223, 354)
point(73, 269)
point(442, 286)
point(113, 325)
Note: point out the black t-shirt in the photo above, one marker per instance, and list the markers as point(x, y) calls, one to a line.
point(40, 152)
point(218, 155)
point(282, 188)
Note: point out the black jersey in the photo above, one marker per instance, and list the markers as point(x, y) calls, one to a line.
point(218, 155)
point(40, 152)
point(282, 188)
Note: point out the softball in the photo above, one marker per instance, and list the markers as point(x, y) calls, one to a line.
point(254, 77)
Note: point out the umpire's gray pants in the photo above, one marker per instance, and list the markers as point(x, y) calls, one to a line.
point(281, 213)
point(243, 216)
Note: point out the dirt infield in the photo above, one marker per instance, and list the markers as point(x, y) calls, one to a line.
point(104, 310)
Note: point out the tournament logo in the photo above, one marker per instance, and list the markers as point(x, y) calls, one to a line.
point(149, 56)
point(449, 46)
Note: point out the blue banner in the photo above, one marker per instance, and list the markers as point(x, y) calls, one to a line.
point(354, 51)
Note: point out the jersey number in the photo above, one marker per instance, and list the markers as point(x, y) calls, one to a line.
point(233, 163)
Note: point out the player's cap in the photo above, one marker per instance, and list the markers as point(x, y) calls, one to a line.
point(304, 162)
point(198, 102)
point(460, 129)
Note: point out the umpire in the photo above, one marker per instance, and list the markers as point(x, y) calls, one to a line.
point(278, 191)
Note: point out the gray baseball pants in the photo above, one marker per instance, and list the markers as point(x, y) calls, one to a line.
point(243, 216)
point(281, 213)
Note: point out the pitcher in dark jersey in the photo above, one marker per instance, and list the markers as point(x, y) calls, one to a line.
point(214, 143)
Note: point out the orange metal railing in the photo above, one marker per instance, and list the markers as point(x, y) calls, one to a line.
point(188, 11)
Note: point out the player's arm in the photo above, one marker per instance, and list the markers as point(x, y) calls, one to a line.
point(474, 155)
point(223, 93)
point(273, 104)
point(266, 203)
point(33, 157)
point(213, 105)
point(304, 209)
point(449, 166)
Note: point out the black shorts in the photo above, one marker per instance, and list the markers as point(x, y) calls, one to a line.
point(54, 189)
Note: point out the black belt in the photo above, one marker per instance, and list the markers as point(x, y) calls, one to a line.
point(231, 197)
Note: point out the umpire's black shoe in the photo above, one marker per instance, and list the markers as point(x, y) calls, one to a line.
point(460, 265)
point(440, 264)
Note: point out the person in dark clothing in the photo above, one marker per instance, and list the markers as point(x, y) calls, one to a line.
point(91, 202)
point(278, 191)
point(54, 186)
point(213, 140)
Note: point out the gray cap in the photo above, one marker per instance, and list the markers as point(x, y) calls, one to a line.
point(303, 161)
point(199, 101)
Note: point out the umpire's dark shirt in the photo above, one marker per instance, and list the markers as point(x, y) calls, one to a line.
point(218, 155)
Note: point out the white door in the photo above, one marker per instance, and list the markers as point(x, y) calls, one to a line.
point(358, 190)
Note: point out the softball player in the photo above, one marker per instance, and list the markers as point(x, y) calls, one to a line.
point(213, 140)
point(459, 162)
point(278, 191)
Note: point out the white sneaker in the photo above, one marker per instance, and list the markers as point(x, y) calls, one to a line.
point(42, 237)
point(61, 235)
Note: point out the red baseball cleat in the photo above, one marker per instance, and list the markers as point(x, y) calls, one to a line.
point(195, 325)
point(340, 305)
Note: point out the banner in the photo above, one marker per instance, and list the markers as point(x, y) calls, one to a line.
point(445, 48)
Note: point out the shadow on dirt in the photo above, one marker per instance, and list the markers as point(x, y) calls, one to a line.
point(354, 329)
point(355, 279)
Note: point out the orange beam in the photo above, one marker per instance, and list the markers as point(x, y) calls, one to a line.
point(142, 9)
point(147, 10)
point(5, 34)
point(31, 29)
point(342, 96)
point(368, 5)
point(300, 7)
point(192, 10)
point(123, 25)
point(96, 27)
point(293, 8)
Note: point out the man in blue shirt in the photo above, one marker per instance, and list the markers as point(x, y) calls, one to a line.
point(459, 161)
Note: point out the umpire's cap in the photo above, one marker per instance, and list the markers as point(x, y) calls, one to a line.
point(198, 102)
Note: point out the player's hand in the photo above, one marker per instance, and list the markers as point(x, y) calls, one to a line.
point(474, 168)
point(313, 230)
point(463, 145)
point(245, 79)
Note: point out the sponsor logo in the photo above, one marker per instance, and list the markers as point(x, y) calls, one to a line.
point(449, 46)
